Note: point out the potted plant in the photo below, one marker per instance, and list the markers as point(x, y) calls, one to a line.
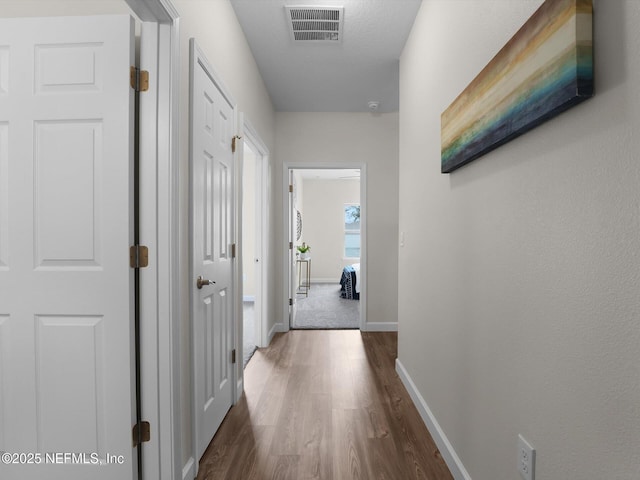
point(304, 251)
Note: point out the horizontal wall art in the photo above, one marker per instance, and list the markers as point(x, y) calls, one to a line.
point(546, 68)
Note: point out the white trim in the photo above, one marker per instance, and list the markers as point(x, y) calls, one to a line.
point(277, 328)
point(188, 471)
point(169, 246)
point(240, 382)
point(149, 301)
point(161, 11)
point(446, 449)
point(213, 74)
point(381, 327)
point(160, 294)
point(238, 175)
point(364, 248)
point(288, 202)
point(286, 167)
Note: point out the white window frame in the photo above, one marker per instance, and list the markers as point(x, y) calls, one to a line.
point(351, 232)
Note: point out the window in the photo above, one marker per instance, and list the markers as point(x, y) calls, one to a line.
point(352, 231)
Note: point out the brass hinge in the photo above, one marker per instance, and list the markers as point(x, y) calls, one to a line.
point(233, 250)
point(138, 256)
point(139, 79)
point(291, 302)
point(290, 188)
point(141, 433)
point(290, 245)
point(233, 143)
point(233, 356)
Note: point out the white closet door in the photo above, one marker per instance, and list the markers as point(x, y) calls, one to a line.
point(66, 296)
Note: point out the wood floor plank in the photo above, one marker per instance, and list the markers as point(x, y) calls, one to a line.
point(256, 376)
point(347, 460)
point(288, 436)
point(324, 405)
point(343, 394)
point(317, 439)
point(269, 403)
point(283, 467)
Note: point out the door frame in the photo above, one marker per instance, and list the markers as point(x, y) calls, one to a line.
point(159, 225)
point(251, 136)
point(286, 168)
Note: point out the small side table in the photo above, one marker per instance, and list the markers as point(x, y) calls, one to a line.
point(303, 287)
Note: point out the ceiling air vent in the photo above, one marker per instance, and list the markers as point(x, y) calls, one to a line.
point(315, 24)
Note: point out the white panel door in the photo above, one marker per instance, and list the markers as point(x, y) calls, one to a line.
point(66, 302)
point(212, 130)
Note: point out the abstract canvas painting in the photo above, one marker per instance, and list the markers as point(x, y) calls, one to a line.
point(546, 68)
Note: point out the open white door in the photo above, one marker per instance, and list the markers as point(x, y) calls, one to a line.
point(212, 190)
point(293, 278)
point(255, 151)
point(66, 292)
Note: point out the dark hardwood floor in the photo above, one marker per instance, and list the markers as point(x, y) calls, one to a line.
point(324, 404)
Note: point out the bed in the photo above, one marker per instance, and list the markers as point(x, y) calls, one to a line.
point(349, 285)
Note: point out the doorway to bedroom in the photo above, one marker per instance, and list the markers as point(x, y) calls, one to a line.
point(254, 248)
point(326, 220)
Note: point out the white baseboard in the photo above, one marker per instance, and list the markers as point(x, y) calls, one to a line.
point(381, 326)
point(271, 333)
point(188, 471)
point(446, 449)
point(240, 388)
point(278, 327)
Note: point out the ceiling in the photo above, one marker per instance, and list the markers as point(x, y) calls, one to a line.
point(330, 76)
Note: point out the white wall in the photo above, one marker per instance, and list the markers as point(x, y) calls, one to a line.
point(323, 225)
point(519, 303)
point(327, 139)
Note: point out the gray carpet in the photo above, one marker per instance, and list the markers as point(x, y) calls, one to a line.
point(324, 308)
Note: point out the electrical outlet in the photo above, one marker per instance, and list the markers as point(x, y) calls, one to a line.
point(526, 459)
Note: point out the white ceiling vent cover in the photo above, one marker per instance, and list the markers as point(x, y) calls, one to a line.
point(315, 24)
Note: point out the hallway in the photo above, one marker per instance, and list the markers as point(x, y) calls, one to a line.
point(326, 405)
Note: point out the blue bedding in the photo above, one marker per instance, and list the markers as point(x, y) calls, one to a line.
point(348, 283)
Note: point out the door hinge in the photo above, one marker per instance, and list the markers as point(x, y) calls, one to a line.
point(233, 143)
point(233, 250)
point(290, 188)
point(138, 256)
point(139, 79)
point(141, 433)
point(233, 356)
point(290, 245)
point(291, 302)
